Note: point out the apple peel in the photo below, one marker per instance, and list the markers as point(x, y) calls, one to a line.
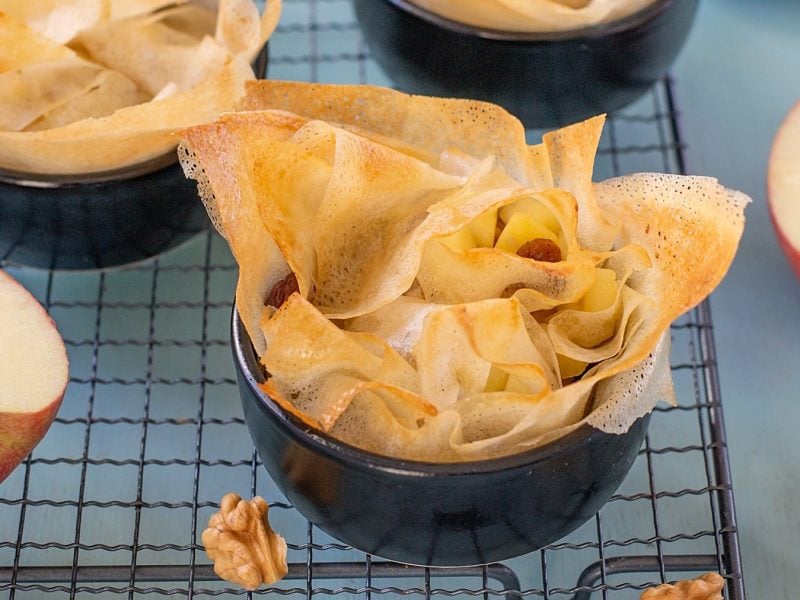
point(783, 186)
point(34, 372)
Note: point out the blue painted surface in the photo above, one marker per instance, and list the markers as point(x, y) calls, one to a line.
point(737, 77)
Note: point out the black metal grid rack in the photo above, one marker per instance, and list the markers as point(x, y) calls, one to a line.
point(150, 436)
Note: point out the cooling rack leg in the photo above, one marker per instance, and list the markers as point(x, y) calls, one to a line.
point(502, 574)
point(730, 538)
point(641, 564)
point(732, 558)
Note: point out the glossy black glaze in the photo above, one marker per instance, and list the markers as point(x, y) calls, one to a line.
point(433, 514)
point(546, 79)
point(100, 220)
point(97, 225)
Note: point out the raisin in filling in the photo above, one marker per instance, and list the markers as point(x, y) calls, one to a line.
point(540, 249)
point(281, 291)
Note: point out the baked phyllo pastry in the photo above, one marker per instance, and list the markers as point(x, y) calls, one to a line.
point(88, 86)
point(420, 282)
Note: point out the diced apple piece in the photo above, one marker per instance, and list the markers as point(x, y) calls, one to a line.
point(521, 228)
point(460, 240)
point(533, 208)
point(570, 367)
point(33, 373)
point(497, 380)
point(602, 293)
point(518, 385)
point(483, 228)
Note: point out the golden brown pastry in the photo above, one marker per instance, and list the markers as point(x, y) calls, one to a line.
point(420, 282)
point(93, 85)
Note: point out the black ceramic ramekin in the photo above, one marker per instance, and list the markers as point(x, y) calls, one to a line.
point(433, 514)
point(100, 220)
point(545, 79)
point(52, 223)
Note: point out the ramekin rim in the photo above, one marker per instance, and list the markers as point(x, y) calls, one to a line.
point(118, 175)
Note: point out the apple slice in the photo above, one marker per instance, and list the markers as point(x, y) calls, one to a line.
point(783, 186)
point(34, 372)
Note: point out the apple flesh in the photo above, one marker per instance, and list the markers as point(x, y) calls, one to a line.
point(783, 186)
point(34, 373)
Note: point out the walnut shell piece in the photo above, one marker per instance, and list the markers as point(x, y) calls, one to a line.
point(243, 546)
point(705, 587)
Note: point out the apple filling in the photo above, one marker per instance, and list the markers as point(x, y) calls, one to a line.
point(528, 228)
point(525, 227)
point(601, 296)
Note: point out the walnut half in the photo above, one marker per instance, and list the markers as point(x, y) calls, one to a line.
point(706, 587)
point(243, 546)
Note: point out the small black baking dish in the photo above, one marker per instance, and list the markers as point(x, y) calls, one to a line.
point(545, 79)
point(426, 513)
point(80, 223)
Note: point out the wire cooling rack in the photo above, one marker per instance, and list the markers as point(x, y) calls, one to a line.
point(150, 436)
